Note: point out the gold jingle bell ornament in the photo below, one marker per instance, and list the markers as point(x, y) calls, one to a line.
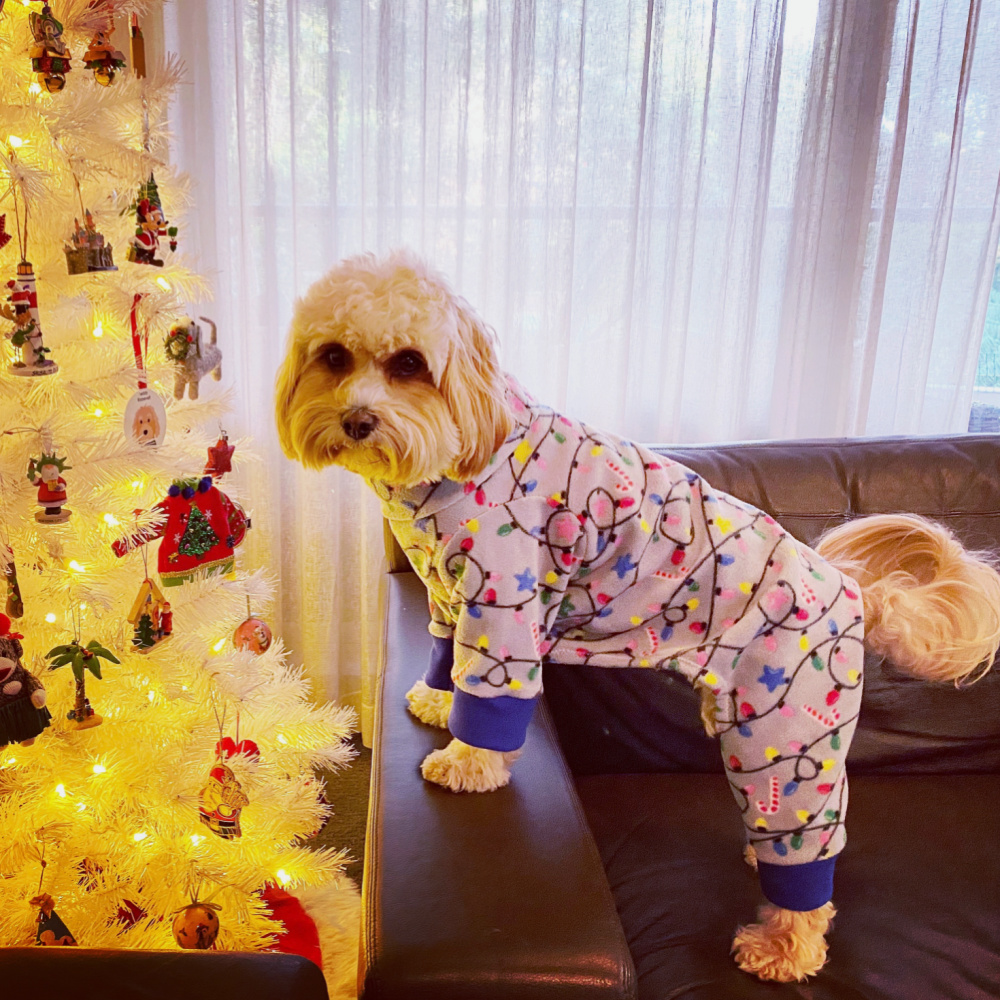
point(197, 926)
point(253, 635)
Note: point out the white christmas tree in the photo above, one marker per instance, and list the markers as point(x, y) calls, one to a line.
point(176, 768)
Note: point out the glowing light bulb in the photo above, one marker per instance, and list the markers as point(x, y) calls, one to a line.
point(98, 330)
point(136, 483)
point(163, 283)
point(98, 412)
point(139, 836)
point(34, 87)
point(281, 739)
point(75, 566)
point(11, 760)
point(50, 617)
point(83, 605)
point(16, 141)
point(61, 791)
point(152, 696)
point(218, 646)
point(81, 806)
point(196, 839)
point(283, 877)
point(184, 687)
point(111, 520)
point(99, 769)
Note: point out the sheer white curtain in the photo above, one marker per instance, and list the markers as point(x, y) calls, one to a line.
point(688, 221)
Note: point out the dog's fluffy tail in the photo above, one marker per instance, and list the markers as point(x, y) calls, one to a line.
point(931, 606)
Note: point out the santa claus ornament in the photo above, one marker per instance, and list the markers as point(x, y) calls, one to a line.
point(150, 226)
point(200, 528)
point(23, 714)
point(45, 471)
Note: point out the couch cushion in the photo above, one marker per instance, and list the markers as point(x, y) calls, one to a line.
point(917, 888)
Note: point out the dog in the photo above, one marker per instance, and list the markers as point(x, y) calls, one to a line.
point(201, 358)
point(542, 539)
point(145, 425)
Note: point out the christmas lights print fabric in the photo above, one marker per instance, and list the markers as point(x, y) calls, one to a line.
point(576, 546)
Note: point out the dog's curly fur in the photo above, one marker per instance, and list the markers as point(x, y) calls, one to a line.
point(391, 375)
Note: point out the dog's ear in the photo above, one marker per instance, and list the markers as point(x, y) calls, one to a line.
point(285, 385)
point(474, 389)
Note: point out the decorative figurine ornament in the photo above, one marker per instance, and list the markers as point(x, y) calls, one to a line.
point(81, 658)
point(51, 487)
point(87, 250)
point(191, 356)
point(101, 56)
point(27, 333)
point(145, 414)
point(50, 57)
point(220, 457)
point(151, 617)
point(51, 930)
point(23, 715)
point(253, 635)
point(14, 606)
point(150, 226)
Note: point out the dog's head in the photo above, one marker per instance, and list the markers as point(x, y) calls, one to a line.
point(391, 375)
point(145, 425)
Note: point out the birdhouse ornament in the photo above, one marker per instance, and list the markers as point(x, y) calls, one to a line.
point(50, 57)
point(22, 310)
point(150, 617)
point(23, 714)
point(45, 471)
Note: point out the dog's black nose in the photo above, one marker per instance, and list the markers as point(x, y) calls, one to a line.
point(359, 424)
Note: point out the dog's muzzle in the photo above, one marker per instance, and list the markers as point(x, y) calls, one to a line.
point(359, 423)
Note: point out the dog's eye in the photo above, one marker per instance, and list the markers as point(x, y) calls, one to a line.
point(406, 364)
point(337, 358)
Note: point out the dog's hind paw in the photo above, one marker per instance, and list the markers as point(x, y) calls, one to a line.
point(462, 768)
point(786, 946)
point(429, 705)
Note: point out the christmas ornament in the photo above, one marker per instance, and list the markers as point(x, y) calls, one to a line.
point(145, 414)
point(86, 250)
point(81, 658)
point(101, 56)
point(191, 356)
point(51, 487)
point(220, 457)
point(197, 926)
point(14, 605)
point(27, 333)
point(5, 237)
point(253, 635)
point(49, 55)
point(23, 714)
point(51, 930)
point(138, 46)
point(222, 801)
point(151, 617)
point(200, 530)
point(150, 226)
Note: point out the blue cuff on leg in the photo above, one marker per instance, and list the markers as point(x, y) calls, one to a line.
point(499, 723)
point(798, 887)
point(438, 674)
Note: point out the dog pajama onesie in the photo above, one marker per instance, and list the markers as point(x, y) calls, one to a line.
point(575, 546)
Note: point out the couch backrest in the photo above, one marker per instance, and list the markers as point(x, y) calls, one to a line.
point(639, 720)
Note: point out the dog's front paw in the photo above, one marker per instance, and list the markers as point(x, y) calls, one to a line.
point(429, 705)
point(786, 946)
point(462, 768)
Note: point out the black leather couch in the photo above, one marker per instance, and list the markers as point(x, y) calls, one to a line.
point(611, 866)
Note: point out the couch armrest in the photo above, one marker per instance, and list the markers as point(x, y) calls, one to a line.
point(476, 897)
point(96, 974)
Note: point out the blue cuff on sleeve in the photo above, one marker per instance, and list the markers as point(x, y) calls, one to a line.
point(438, 674)
point(499, 723)
point(798, 887)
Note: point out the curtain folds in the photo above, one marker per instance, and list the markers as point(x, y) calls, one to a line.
point(688, 221)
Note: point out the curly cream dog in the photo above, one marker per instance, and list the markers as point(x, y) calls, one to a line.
point(540, 539)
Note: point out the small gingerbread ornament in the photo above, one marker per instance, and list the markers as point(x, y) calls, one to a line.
point(23, 715)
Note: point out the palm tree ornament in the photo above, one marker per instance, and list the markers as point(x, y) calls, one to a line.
point(81, 658)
